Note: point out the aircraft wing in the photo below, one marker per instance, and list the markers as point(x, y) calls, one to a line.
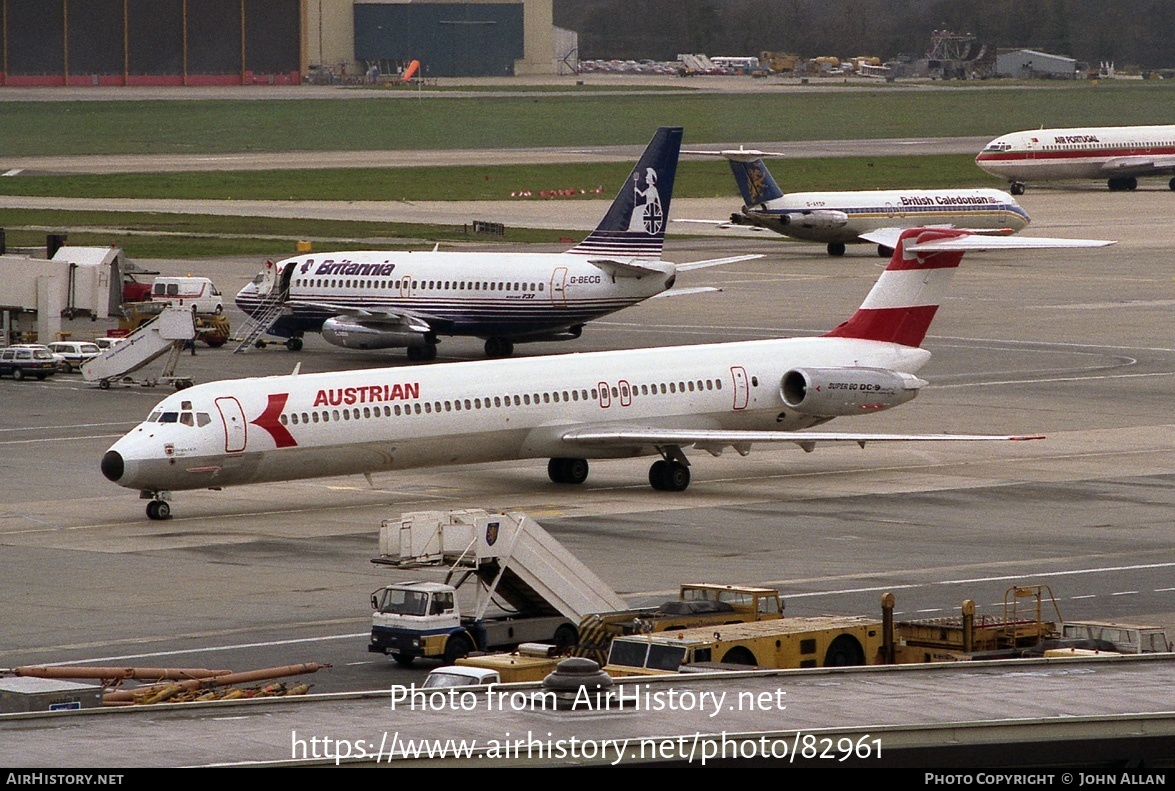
point(714, 441)
point(727, 225)
point(416, 322)
point(1138, 166)
point(739, 154)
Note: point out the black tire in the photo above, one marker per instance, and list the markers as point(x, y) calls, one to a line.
point(836, 249)
point(158, 510)
point(566, 636)
point(104, 384)
point(403, 660)
point(740, 655)
point(570, 471)
point(1131, 183)
point(17, 374)
point(66, 368)
point(294, 344)
point(416, 353)
point(677, 477)
point(844, 651)
point(883, 251)
point(499, 347)
point(1171, 185)
point(659, 475)
point(1017, 188)
point(456, 647)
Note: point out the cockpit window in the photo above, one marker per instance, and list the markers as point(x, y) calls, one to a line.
point(154, 417)
point(187, 418)
point(203, 419)
point(170, 417)
point(259, 279)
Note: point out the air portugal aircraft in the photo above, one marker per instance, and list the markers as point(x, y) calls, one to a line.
point(850, 217)
point(569, 408)
point(383, 300)
point(1119, 154)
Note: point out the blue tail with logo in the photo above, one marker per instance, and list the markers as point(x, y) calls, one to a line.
point(634, 226)
point(754, 181)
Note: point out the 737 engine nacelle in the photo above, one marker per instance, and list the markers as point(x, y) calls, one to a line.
point(817, 219)
point(351, 334)
point(837, 392)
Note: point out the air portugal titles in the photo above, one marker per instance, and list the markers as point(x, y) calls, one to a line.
point(367, 394)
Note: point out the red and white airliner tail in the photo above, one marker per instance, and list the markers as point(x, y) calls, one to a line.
point(905, 298)
point(568, 409)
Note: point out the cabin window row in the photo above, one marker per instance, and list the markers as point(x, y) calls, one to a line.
point(413, 285)
point(622, 391)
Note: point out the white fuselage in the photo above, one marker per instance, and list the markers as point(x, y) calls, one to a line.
point(1090, 152)
point(311, 425)
point(457, 293)
point(842, 217)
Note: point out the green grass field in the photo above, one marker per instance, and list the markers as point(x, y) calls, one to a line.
point(695, 179)
point(438, 120)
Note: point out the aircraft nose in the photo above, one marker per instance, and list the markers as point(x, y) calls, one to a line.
point(113, 466)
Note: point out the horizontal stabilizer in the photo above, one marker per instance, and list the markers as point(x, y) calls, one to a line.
point(734, 259)
point(739, 154)
point(681, 292)
point(625, 268)
point(972, 242)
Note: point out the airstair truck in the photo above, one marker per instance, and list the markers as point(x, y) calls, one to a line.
point(543, 589)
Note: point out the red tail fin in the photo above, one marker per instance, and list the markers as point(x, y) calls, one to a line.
point(905, 298)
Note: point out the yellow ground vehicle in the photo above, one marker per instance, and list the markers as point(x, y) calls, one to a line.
point(826, 641)
point(698, 604)
point(212, 329)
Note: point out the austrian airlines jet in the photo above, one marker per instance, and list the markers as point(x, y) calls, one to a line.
point(1119, 154)
point(382, 300)
point(841, 218)
point(567, 408)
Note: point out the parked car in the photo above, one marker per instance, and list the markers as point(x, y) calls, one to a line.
point(74, 354)
point(27, 360)
point(106, 342)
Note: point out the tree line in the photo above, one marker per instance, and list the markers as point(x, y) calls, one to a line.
point(1138, 33)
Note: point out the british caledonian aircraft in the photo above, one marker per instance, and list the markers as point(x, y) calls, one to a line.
point(1119, 154)
point(382, 300)
point(567, 408)
point(841, 218)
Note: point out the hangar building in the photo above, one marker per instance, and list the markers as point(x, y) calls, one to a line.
point(1031, 64)
point(242, 42)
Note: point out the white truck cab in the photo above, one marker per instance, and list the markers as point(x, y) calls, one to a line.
point(461, 676)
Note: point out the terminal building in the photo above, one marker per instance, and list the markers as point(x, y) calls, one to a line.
point(273, 42)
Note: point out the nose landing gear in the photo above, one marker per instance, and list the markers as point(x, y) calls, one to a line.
point(158, 509)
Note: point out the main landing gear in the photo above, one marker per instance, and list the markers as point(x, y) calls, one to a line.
point(422, 354)
point(669, 476)
point(294, 343)
point(836, 248)
point(499, 347)
point(1122, 183)
point(158, 509)
point(573, 471)
point(1016, 188)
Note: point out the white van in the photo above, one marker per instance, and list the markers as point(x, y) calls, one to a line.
point(188, 291)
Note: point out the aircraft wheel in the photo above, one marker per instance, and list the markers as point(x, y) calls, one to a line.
point(1171, 185)
point(883, 251)
point(499, 347)
point(1117, 184)
point(836, 248)
point(659, 475)
point(1017, 188)
point(677, 476)
point(1132, 183)
point(573, 471)
point(158, 510)
point(294, 344)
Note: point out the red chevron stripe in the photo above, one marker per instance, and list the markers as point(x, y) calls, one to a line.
point(269, 421)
